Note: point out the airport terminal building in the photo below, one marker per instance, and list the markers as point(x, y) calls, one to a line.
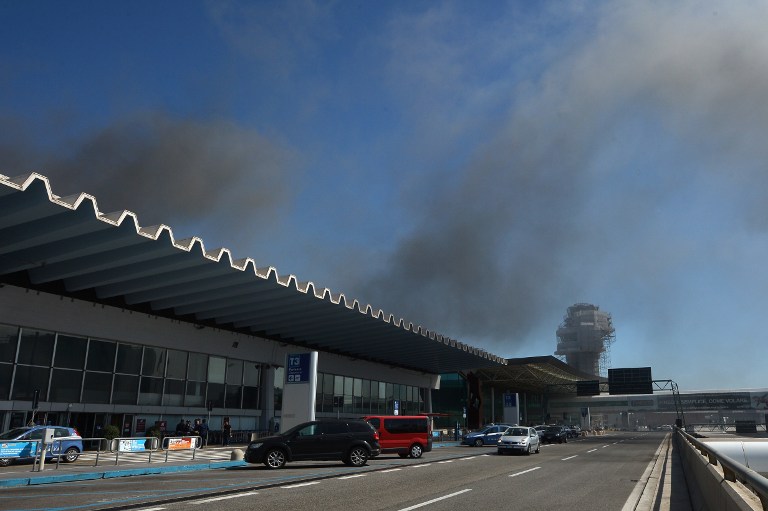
point(106, 322)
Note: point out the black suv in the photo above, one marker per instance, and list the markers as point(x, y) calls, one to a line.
point(554, 434)
point(349, 440)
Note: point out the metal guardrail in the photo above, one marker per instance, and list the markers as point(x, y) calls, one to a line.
point(732, 470)
point(97, 450)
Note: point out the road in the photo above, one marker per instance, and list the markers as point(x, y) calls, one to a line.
point(590, 473)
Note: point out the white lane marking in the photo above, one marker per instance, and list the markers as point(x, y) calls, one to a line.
point(470, 458)
point(352, 476)
point(592, 450)
point(151, 509)
point(422, 465)
point(225, 497)
point(524, 472)
point(605, 446)
point(446, 461)
point(569, 457)
point(301, 484)
point(435, 500)
point(391, 470)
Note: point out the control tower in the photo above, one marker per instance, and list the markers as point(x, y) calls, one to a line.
point(584, 338)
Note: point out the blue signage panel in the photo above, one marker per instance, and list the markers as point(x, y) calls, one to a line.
point(297, 370)
point(510, 400)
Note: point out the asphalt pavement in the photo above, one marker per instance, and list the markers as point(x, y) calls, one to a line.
point(655, 487)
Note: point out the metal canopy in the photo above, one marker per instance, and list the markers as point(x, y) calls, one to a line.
point(545, 374)
point(65, 245)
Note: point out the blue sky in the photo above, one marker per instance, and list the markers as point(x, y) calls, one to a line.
point(472, 168)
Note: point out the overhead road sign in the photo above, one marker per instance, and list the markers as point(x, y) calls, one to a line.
point(631, 380)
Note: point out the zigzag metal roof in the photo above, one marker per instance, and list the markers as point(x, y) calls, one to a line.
point(67, 246)
point(535, 374)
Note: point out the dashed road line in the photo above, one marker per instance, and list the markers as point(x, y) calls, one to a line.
point(592, 450)
point(569, 458)
point(524, 472)
point(352, 476)
point(436, 500)
point(225, 497)
point(300, 485)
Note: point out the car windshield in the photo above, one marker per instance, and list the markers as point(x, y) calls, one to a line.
point(516, 432)
point(553, 429)
point(13, 433)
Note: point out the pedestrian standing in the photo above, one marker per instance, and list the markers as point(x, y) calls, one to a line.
point(227, 431)
point(204, 432)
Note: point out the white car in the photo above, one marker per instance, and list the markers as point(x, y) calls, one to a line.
point(519, 439)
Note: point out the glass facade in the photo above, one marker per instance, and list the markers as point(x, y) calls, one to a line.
point(71, 369)
point(347, 395)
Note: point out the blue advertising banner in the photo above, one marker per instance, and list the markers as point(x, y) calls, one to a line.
point(298, 368)
point(131, 445)
point(18, 449)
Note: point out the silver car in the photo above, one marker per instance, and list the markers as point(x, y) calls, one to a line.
point(519, 439)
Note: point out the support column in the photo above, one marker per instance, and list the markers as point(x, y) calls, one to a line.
point(267, 397)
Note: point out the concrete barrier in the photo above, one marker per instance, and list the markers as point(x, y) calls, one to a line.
point(237, 455)
point(709, 490)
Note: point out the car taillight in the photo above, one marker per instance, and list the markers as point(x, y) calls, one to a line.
point(77, 433)
point(375, 435)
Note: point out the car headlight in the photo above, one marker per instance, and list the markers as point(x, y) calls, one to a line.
point(256, 445)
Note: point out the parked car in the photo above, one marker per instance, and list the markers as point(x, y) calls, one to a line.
point(573, 431)
point(489, 435)
point(554, 434)
point(403, 434)
point(352, 441)
point(65, 440)
point(519, 439)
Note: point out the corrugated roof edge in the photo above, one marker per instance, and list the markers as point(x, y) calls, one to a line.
point(116, 218)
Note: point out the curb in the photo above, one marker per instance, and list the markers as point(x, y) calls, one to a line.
point(109, 474)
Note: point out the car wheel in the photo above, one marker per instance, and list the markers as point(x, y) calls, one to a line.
point(565, 440)
point(357, 457)
point(4, 462)
point(416, 451)
point(528, 450)
point(479, 442)
point(538, 448)
point(71, 455)
point(275, 459)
